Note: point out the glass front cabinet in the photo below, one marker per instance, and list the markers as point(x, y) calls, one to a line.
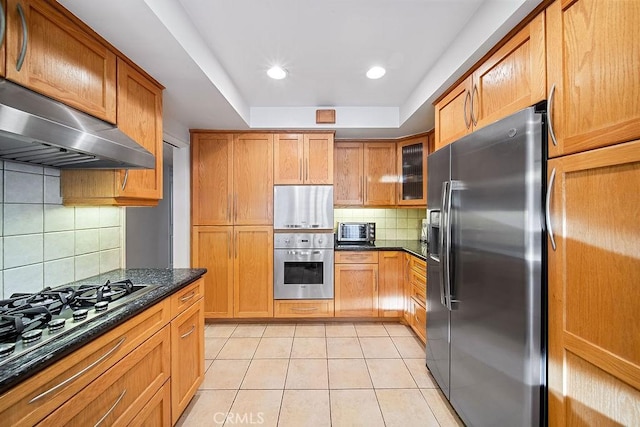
point(412, 170)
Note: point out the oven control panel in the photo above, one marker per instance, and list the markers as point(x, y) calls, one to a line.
point(302, 240)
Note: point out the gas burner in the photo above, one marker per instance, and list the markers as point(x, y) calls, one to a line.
point(89, 295)
point(80, 315)
point(53, 300)
point(31, 336)
point(101, 306)
point(22, 319)
point(56, 324)
point(6, 349)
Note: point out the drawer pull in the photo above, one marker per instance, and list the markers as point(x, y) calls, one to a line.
point(193, 328)
point(79, 373)
point(304, 309)
point(188, 296)
point(104, 417)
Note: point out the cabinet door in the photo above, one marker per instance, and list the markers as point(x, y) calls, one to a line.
point(391, 285)
point(288, 158)
point(380, 174)
point(212, 248)
point(253, 179)
point(62, 61)
point(140, 117)
point(412, 172)
point(594, 272)
point(513, 78)
point(356, 290)
point(453, 114)
point(593, 67)
point(253, 272)
point(406, 269)
point(187, 357)
point(348, 174)
point(318, 157)
point(211, 178)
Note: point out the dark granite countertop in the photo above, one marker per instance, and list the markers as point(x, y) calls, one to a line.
point(168, 281)
point(414, 247)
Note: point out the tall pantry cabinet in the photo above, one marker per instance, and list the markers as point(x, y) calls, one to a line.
point(232, 221)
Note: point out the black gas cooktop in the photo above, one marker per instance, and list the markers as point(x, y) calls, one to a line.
point(28, 320)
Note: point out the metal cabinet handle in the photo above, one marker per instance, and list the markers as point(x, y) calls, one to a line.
point(550, 115)
point(3, 23)
point(304, 309)
point(188, 297)
point(25, 38)
point(126, 178)
point(548, 211)
point(300, 162)
point(235, 207)
point(375, 276)
point(193, 328)
point(104, 417)
point(229, 243)
point(80, 373)
point(307, 172)
point(467, 97)
point(229, 207)
point(474, 119)
point(235, 245)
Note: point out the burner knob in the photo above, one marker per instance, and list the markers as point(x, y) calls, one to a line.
point(101, 306)
point(56, 324)
point(31, 336)
point(81, 314)
point(6, 349)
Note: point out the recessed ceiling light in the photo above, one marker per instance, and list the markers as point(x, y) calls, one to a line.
point(376, 72)
point(277, 72)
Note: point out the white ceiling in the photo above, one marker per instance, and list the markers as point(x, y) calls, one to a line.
point(212, 55)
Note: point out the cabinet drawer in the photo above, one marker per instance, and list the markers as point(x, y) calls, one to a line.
point(119, 394)
point(418, 265)
point(419, 293)
point(356, 257)
point(157, 412)
point(304, 308)
point(186, 296)
point(419, 323)
point(33, 399)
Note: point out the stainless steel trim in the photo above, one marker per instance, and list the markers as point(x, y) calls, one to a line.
point(124, 181)
point(467, 123)
point(548, 210)
point(474, 119)
point(303, 207)
point(25, 37)
point(186, 334)
point(441, 255)
point(304, 309)
point(79, 373)
point(188, 296)
point(104, 417)
point(550, 115)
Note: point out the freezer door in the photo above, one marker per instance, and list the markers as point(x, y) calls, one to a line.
point(438, 165)
point(496, 280)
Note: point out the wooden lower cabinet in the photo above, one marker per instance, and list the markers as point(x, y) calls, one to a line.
point(406, 268)
point(356, 284)
point(253, 271)
point(303, 308)
point(417, 293)
point(157, 412)
point(390, 284)
point(419, 320)
point(594, 272)
point(212, 248)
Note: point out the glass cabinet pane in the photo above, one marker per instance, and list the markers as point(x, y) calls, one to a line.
point(412, 172)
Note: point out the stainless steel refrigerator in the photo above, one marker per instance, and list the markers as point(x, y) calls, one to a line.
point(485, 284)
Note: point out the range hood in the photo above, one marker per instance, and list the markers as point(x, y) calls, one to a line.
point(35, 129)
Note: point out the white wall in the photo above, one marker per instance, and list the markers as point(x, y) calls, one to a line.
point(181, 208)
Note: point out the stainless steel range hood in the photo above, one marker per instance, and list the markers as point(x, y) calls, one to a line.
point(38, 130)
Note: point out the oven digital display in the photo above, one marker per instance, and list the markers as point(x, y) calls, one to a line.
point(303, 273)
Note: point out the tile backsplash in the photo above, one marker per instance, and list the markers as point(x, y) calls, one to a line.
point(391, 224)
point(42, 242)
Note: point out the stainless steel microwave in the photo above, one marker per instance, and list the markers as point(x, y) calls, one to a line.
point(356, 232)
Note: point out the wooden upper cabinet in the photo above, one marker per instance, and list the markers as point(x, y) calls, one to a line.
point(380, 174)
point(348, 173)
point(61, 60)
point(253, 272)
point(412, 171)
point(253, 179)
point(513, 78)
point(592, 73)
point(594, 272)
point(211, 178)
point(303, 158)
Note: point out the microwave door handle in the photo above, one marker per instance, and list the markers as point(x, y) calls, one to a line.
point(441, 254)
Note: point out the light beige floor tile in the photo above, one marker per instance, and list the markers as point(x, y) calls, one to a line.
point(378, 348)
point(250, 330)
point(440, 407)
point(409, 347)
point(340, 330)
point(239, 348)
point(310, 348)
point(310, 330)
point(207, 364)
point(348, 373)
point(219, 330)
point(355, 408)
point(371, 330)
point(225, 374)
point(278, 331)
point(212, 347)
point(398, 330)
point(390, 373)
point(274, 348)
point(305, 408)
point(344, 348)
point(208, 407)
point(309, 374)
point(405, 408)
point(420, 373)
point(255, 407)
point(266, 374)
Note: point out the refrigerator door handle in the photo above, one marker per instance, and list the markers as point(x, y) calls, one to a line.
point(548, 210)
point(446, 263)
point(442, 252)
